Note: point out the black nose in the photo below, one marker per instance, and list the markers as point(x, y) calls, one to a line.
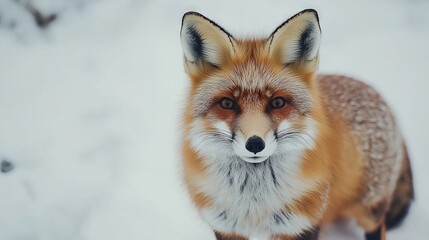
point(255, 144)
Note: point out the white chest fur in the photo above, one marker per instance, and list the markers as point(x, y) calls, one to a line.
point(251, 199)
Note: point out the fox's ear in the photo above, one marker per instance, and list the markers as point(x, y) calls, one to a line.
point(203, 41)
point(297, 40)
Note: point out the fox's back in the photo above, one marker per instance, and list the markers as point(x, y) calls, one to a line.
point(370, 120)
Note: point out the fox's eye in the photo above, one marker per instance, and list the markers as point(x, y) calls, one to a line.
point(277, 102)
point(227, 103)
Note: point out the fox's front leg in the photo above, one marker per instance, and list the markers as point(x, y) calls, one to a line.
point(228, 236)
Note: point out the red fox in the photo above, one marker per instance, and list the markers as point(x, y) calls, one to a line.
point(272, 150)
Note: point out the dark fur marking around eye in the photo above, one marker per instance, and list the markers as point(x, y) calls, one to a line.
point(244, 183)
point(196, 43)
point(273, 175)
point(306, 42)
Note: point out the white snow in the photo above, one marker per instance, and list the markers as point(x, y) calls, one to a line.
point(90, 108)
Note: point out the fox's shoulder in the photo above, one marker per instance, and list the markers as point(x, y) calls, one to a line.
point(371, 122)
point(359, 105)
point(354, 100)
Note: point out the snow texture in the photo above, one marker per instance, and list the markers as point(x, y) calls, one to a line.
point(90, 108)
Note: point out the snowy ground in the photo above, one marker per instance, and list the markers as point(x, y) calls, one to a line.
point(89, 109)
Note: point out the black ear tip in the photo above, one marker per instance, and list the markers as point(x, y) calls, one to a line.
point(305, 11)
point(187, 14)
point(192, 13)
point(312, 11)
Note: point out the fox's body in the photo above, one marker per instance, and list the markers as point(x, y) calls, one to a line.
point(271, 150)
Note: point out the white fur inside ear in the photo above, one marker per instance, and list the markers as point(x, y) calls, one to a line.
point(203, 40)
point(298, 39)
point(304, 44)
point(187, 42)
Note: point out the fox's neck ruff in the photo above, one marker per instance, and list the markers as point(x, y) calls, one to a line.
point(252, 199)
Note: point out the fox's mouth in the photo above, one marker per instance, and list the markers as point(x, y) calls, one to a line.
point(254, 159)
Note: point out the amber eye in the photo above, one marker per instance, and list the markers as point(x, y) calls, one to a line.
point(277, 102)
point(227, 103)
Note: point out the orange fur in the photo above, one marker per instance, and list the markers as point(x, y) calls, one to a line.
point(322, 161)
point(336, 162)
point(335, 151)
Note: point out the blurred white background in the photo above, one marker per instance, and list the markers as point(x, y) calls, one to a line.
point(90, 107)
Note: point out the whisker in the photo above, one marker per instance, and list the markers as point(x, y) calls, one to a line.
point(300, 140)
point(214, 135)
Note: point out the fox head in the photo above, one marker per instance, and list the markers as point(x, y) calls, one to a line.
point(251, 99)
